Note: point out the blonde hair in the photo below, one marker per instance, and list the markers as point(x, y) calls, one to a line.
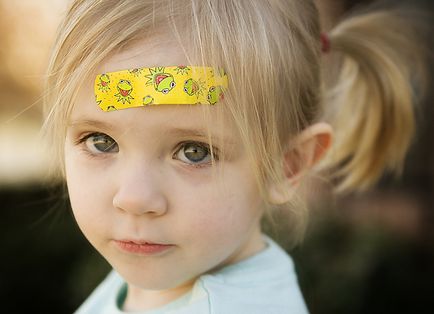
point(369, 100)
point(271, 52)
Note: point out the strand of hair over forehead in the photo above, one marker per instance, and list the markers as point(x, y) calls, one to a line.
point(281, 60)
point(234, 20)
point(77, 52)
point(211, 38)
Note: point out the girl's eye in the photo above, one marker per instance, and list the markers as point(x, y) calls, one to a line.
point(98, 143)
point(194, 153)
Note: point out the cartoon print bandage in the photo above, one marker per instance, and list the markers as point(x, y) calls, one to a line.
point(160, 86)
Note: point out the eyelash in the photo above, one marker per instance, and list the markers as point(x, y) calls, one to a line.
point(213, 156)
point(82, 142)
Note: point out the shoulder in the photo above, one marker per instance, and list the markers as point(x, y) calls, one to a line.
point(103, 298)
point(264, 283)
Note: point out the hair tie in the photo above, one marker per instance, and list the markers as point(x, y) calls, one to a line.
point(325, 43)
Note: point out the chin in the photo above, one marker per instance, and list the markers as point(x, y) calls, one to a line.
point(151, 280)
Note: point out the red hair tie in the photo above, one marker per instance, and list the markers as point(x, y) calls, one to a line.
point(325, 43)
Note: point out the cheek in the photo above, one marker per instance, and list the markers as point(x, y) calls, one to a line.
point(223, 211)
point(87, 194)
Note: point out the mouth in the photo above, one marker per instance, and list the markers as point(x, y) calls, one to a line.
point(142, 247)
point(124, 92)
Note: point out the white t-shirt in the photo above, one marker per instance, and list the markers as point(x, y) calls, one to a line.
point(261, 284)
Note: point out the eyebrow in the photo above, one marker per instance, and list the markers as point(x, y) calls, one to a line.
point(93, 123)
point(199, 133)
point(176, 131)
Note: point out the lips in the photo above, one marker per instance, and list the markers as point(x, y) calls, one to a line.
point(142, 247)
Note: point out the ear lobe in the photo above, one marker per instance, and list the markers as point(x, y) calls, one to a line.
point(306, 151)
point(293, 168)
point(280, 193)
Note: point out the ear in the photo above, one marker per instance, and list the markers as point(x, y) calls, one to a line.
point(304, 152)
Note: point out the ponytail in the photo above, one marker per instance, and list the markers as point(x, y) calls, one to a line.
point(369, 100)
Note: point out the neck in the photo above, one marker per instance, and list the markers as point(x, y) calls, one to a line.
point(141, 300)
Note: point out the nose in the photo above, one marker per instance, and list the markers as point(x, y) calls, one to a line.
point(139, 190)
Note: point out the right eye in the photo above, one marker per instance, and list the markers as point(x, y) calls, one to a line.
point(99, 143)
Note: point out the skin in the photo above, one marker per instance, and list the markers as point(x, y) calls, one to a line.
point(148, 190)
point(143, 187)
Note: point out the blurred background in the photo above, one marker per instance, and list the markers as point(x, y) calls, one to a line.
point(367, 253)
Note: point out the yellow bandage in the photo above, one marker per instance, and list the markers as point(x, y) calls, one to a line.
point(160, 85)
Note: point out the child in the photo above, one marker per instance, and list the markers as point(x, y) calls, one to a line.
point(179, 124)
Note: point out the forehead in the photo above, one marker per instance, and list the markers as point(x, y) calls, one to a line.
point(162, 50)
point(150, 53)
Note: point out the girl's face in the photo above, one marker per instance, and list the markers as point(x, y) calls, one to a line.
point(143, 189)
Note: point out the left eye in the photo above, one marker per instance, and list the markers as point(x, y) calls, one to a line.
point(172, 84)
point(194, 153)
point(98, 143)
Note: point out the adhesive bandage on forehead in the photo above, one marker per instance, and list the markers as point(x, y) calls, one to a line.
point(160, 86)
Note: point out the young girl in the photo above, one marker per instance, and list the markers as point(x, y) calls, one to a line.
point(179, 124)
